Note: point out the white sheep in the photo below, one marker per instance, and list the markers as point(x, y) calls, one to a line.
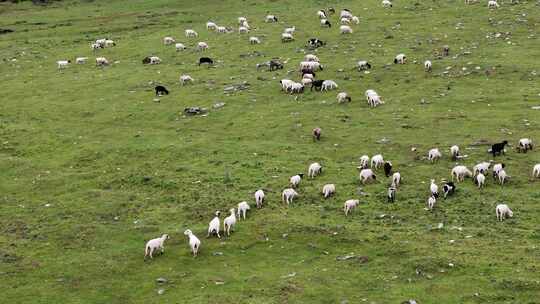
point(343, 97)
point(460, 172)
point(431, 202)
point(364, 161)
point(482, 167)
point(286, 37)
point(101, 61)
point(180, 47)
point(286, 84)
point(288, 195)
point(502, 177)
point(400, 58)
point(297, 87)
point(295, 180)
point(503, 211)
point(306, 81)
point(168, 40)
point(202, 46)
point(454, 152)
point(243, 208)
point(355, 20)
point(524, 145)
point(363, 65)
point(229, 222)
point(374, 100)
point(377, 161)
point(254, 40)
point(101, 42)
point(311, 57)
point(246, 25)
point(185, 79)
point(345, 14)
point(480, 180)
point(367, 175)
point(497, 168)
point(194, 242)
point(345, 29)
point(536, 171)
point(311, 65)
point(243, 30)
point(259, 198)
point(81, 60)
point(396, 179)
point(221, 29)
point(493, 4)
point(328, 85)
point(427, 66)
point(211, 26)
point(155, 244)
point(328, 190)
point(434, 189)
point(191, 33)
point(386, 3)
point(63, 63)
point(213, 226)
point(270, 19)
point(325, 23)
point(314, 170)
point(350, 205)
point(155, 60)
point(434, 154)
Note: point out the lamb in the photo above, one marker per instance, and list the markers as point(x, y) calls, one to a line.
point(434, 189)
point(427, 66)
point(377, 161)
point(317, 134)
point(350, 205)
point(160, 90)
point(434, 155)
point(207, 60)
point(295, 180)
point(101, 61)
point(524, 145)
point(271, 19)
point(345, 29)
point(155, 244)
point(396, 179)
point(387, 168)
point(326, 23)
point(536, 171)
point(454, 152)
point(286, 37)
point(243, 208)
point(81, 60)
point(202, 46)
point(400, 58)
point(254, 40)
point(448, 189)
point(367, 175)
point(211, 26)
point(63, 63)
point(355, 20)
point(328, 85)
point(328, 190)
point(502, 177)
point(290, 30)
point(480, 180)
point(460, 172)
point(185, 79)
point(343, 97)
point(431, 202)
point(498, 148)
point(259, 198)
point(191, 33)
point(180, 47)
point(243, 30)
point(496, 169)
point(314, 170)
point(213, 226)
point(493, 4)
point(168, 40)
point(391, 194)
point(364, 161)
point(288, 195)
point(194, 242)
point(229, 222)
point(503, 212)
point(311, 57)
point(386, 3)
point(363, 65)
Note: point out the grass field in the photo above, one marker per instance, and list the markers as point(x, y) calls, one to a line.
point(91, 166)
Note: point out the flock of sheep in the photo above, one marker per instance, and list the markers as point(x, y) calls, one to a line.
point(367, 166)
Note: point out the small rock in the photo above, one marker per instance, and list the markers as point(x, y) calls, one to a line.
point(217, 253)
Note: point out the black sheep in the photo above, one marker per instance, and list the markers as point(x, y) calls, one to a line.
point(498, 148)
point(275, 65)
point(160, 90)
point(146, 60)
point(317, 84)
point(206, 60)
point(387, 168)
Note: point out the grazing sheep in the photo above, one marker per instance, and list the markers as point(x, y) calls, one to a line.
point(427, 66)
point(536, 171)
point(185, 79)
point(271, 19)
point(460, 172)
point(314, 170)
point(213, 226)
point(350, 205)
point(400, 58)
point(431, 202)
point(288, 195)
point(481, 168)
point(363, 65)
point(194, 242)
point(168, 40)
point(502, 177)
point(328, 85)
point(211, 26)
point(498, 148)
point(524, 145)
point(81, 60)
point(254, 40)
point(326, 23)
point(243, 208)
point(387, 168)
point(202, 46)
point(454, 152)
point(229, 222)
point(345, 29)
point(180, 47)
point(63, 63)
point(343, 97)
point(295, 180)
point(317, 134)
point(434, 189)
point(503, 212)
point(207, 60)
point(160, 90)
point(367, 175)
point(259, 198)
point(480, 180)
point(434, 155)
point(191, 33)
point(328, 190)
point(290, 30)
point(364, 161)
point(297, 88)
point(101, 61)
point(155, 244)
point(448, 189)
point(286, 84)
point(493, 4)
point(396, 179)
point(355, 20)
point(310, 66)
point(287, 37)
point(391, 194)
point(243, 30)
point(377, 161)
point(386, 3)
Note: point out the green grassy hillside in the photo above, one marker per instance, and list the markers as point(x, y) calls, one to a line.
point(92, 166)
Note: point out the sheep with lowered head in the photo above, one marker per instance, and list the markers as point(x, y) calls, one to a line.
point(503, 212)
point(350, 205)
point(434, 155)
point(460, 172)
point(377, 161)
point(288, 195)
point(328, 190)
point(536, 171)
point(259, 198)
point(343, 97)
point(367, 175)
point(314, 170)
point(155, 244)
